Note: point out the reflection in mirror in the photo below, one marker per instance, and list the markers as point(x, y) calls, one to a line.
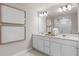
point(65, 21)
point(63, 24)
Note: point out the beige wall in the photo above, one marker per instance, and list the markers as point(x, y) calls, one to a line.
point(42, 24)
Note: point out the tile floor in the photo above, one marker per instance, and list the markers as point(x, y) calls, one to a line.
point(32, 53)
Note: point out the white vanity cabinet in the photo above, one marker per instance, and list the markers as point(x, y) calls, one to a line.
point(41, 43)
point(55, 46)
point(38, 42)
point(68, 51)
point(63, 47)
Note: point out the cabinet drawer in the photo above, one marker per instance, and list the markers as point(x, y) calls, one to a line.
point(46, 43)
point(64, 41)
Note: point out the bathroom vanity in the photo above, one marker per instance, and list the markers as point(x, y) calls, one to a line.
point(56, 45)
point(67, 23)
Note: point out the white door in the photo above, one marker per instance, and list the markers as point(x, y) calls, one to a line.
point(35, 42)
point(68, 51)
point(55, 49)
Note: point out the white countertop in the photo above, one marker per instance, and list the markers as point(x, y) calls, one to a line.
point(68, 37)
point(73, 37)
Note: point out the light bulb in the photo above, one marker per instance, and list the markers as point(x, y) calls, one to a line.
point(40, 14)
point(64, 8)
point(59, 9)
point(45, 14)
point(69, 7)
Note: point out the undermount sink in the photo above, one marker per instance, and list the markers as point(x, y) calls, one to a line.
point(64, 35)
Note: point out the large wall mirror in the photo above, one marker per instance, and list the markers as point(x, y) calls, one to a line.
point(63, 24)
point(65, 21)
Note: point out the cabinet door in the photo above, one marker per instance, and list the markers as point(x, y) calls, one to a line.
point(69, 51)
point(46, 43)
point(47, 50)
point(46, 47)
point(78, 19)
point(77, 51)
point(35, 42)
point(40, 45)
point(55, 49)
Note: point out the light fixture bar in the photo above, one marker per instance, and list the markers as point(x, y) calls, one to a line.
point(65, 8)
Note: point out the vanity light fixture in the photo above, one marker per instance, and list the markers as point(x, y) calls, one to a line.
point(65, 8)
point(60, 9)
point(40, 14)
point(44, 13)
point(69, 7)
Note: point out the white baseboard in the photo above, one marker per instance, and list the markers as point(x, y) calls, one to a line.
point(21, 52)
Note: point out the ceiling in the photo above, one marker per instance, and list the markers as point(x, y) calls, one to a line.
point(53, 11)
point(51, 8)
point(34, 6)
point(40, 6)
